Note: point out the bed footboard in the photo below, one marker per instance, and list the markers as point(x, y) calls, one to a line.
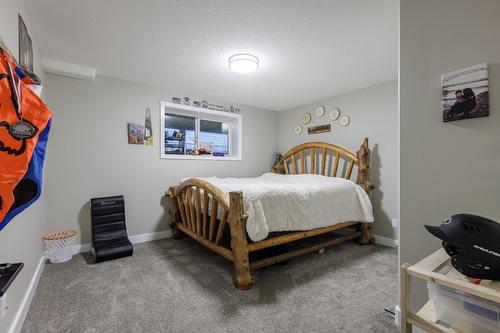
point(194, 211)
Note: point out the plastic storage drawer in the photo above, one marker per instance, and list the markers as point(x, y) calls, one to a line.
point(468, 313)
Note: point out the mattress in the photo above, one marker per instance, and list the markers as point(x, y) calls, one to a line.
point(296, 202)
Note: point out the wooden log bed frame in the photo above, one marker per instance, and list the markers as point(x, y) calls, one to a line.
point(194, 206)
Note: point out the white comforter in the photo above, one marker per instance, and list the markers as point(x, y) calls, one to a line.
point(297, 202)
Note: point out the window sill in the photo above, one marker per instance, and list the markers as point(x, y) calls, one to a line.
point(201, 157)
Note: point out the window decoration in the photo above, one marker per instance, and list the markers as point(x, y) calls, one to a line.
point(205, 105)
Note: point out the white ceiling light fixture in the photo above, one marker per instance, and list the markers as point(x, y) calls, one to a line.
point(243, 63)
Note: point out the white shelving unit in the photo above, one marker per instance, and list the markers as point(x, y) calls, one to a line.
point(429, 269)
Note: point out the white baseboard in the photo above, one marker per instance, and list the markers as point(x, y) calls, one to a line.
point(135, 239)
point(81, 248)
point(385, 241)
point(18, 321)
point(397, 315)
point(142, 238)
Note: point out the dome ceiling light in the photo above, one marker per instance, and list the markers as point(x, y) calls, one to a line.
point(243, 63)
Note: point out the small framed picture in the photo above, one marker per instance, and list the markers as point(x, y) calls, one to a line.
point(465, 93)
point(135, 133)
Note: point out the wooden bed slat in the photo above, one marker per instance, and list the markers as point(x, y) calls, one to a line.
point(325, 150)
point(336, 165)
point(198, 211)
point(302, 162)
point(348, 171)
point(216, 248)
point(182, 202)
point(294, 169)
point(222, 224)
point(313, 161)
point(295, 253)
point(323, 162)
point(191, 209)
point(286, 166)
point(270, 242)
point(181, 210)
point(187, 206)
point(213, 219)
point(205, 214)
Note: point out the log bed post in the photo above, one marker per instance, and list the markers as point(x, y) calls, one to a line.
point(237, 223)
point(364, 180)
point(279, 166)
point(174, 212)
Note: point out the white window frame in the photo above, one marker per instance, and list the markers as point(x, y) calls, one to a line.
point(234, 120)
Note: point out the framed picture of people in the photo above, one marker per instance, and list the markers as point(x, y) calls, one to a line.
point(465, 93)
point(25, 46)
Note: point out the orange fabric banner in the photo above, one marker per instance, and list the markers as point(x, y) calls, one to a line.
point(16, 152)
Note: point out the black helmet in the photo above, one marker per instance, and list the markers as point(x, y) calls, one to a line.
point(473, 243)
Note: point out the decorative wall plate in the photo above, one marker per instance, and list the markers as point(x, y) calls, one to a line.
point(298, 129)
point(306, 118)
point(320, 111)
point(344, 120)
point(335, 114)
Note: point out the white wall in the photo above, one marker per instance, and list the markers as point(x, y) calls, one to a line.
point(453, 167)
point(20, 241)
point(89, 156)
point(373, 113)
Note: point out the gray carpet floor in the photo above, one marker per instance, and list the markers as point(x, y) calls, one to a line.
point(179, 286)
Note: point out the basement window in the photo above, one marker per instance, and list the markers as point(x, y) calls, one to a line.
point(189, 132)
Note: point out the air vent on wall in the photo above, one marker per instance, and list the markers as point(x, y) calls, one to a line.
point(70, 70)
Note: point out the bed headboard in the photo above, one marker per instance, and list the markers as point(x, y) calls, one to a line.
point(328, 160)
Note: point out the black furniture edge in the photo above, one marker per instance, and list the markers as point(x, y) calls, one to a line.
point(7, 275)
